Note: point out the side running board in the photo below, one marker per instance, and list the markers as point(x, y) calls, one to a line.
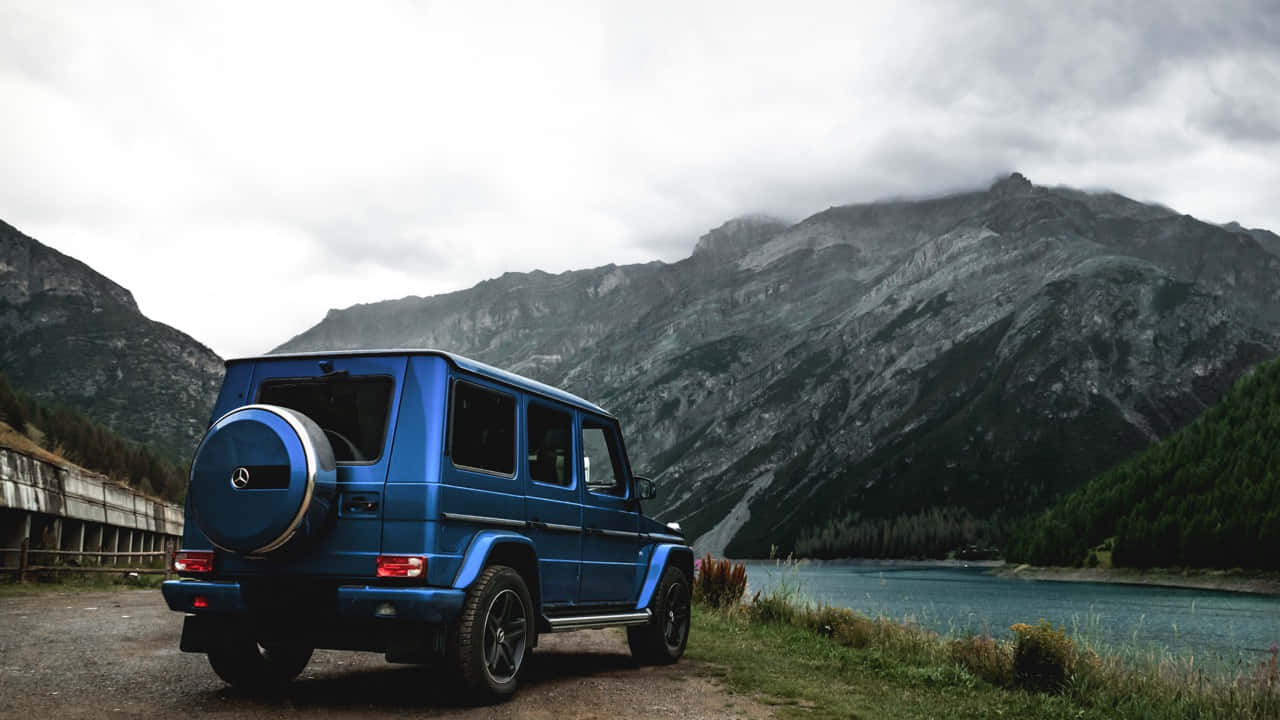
point(585, 622)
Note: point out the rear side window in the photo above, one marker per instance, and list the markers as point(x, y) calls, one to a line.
point(352, 411)
point(482, 429)
point(549, 436)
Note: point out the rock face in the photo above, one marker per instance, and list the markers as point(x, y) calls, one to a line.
point(978, 353)
point(68, 335)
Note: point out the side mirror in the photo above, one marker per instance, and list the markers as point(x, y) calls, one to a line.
point(645, 488)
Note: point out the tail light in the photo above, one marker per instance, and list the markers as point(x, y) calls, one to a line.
point(193, 561)
point(403, 566)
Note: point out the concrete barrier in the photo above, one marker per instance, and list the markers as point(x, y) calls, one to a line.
point(45, 506)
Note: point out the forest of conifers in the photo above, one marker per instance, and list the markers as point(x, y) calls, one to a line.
point(86, 443)
point(932, 533)
point(1209, 496)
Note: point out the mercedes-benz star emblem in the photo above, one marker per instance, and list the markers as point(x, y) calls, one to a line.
point(240, 478)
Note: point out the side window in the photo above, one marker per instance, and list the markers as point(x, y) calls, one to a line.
point(482, 429)
point(601, 461)
point(549, 435)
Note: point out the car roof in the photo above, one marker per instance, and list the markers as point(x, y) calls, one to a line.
point(466, 364)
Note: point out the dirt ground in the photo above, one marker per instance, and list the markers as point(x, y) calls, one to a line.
point(115, 654)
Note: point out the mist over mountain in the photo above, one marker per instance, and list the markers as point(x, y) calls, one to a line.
point(70, 336)
point(959, 360)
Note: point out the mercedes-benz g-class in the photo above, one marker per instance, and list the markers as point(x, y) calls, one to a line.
point(421, 505)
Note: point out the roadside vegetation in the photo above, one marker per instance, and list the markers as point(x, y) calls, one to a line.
point(70, 582)
point(62, 433)
point(1207, 497)
point(819, 661)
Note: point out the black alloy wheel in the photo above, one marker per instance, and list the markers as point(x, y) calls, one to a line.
point(494, 634)
point(675, 619)
point(662, 640)
point(504, 636)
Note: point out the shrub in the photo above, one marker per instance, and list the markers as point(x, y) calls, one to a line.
point(985, 657)
point(1043, 656)
point(774, 608)
point(843, 625)
point(719, 583)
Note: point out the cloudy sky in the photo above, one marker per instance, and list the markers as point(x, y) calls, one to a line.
point(245, 167)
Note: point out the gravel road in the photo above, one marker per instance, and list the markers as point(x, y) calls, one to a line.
point(115, 654)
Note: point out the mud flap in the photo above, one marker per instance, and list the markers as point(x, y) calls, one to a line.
point(417, 644)
point(200, 633)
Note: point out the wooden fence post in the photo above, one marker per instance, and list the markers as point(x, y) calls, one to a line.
point(22, 559)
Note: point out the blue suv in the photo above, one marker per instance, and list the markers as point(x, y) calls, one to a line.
point(421, 505)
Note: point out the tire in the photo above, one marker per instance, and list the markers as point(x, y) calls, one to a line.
point(245, 665)
point(494, 635)
point(663, 639)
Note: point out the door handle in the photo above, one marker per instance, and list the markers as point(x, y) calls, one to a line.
point(537, 524)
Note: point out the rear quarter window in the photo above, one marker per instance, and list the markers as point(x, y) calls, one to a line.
point(482, 429)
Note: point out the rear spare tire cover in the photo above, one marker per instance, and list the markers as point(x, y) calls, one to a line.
point(263, 475)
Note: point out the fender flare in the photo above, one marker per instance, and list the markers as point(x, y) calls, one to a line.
point(477, 554)
point(663, 555)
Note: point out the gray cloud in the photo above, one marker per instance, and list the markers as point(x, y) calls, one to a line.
point(1053, 55)
point(403, 149)
point(1243, 102)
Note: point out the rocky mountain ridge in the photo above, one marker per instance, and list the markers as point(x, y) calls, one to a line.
point(69, 335)
point(805, 386)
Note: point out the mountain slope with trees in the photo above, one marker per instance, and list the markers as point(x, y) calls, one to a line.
point(64, 434)
point(1207, 497)
point(71, 337)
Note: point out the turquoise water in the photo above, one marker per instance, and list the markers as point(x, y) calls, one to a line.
point(1213, 626)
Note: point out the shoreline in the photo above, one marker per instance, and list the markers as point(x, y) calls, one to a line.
point(1237, 581)
point(888, 563)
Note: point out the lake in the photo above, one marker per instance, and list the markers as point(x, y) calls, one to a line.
point(1214, 626)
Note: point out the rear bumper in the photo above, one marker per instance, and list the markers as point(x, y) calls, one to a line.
point(432, 605)
point(355, 602)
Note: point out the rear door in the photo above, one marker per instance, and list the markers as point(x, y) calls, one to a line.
point(356, 404)
point(552, 505)
point(611, 541)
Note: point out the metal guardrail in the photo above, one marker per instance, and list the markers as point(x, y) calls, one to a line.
point(25, 565)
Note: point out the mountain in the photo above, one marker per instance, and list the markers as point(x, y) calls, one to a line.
point(880, 378)
point(70, 336)
point(1209, 496)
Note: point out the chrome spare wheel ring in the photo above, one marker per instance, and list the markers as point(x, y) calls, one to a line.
point(504, 636)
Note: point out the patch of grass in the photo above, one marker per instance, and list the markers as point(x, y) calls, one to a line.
point(807, 675)
point(824, 662)
point(14, 440)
